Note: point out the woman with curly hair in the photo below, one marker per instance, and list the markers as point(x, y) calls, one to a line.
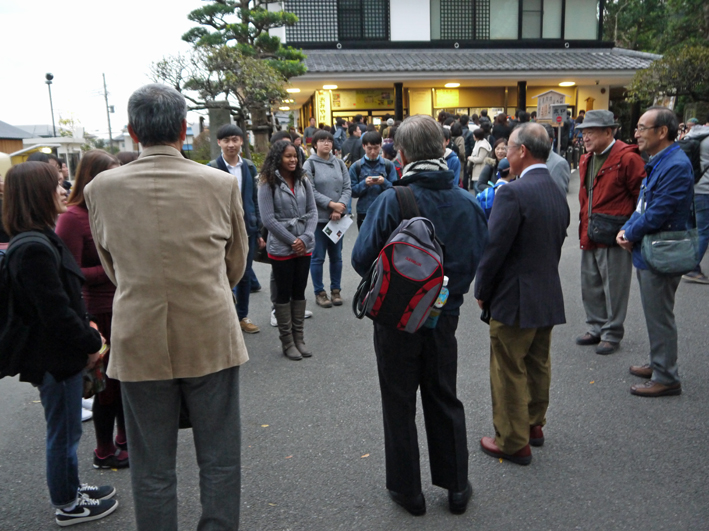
point(74, 230)
point(288, 211)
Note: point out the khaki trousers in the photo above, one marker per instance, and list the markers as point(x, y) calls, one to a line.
point(520, 376)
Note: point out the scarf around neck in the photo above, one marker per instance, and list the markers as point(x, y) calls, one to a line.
point(421, 166)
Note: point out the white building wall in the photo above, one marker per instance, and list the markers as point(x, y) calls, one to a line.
point(410, 20)
point(277, 32)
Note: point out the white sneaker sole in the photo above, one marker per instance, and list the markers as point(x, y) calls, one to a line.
point(82, 519)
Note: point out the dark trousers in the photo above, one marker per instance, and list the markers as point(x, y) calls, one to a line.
point(360, 220)
point(291, 277)
point(427, 360)
point(243, 288)
point(152, 410)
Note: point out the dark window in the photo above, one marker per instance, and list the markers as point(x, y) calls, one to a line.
point(465, 19)
point(363, 19)
point(317, 21)
point(531, 19)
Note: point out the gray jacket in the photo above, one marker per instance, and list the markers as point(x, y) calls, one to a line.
point(331, 182)
point(702, 187)
point(559, 170)
point(288, 215)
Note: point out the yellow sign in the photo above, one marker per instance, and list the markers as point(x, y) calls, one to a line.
point(363, 99)
point(447, 98)
point(322, 107)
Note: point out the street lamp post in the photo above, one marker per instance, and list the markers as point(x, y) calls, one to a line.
point(48, 81)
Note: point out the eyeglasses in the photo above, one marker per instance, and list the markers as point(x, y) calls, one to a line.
point(642, 128)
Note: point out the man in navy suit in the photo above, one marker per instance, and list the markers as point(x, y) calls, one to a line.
point(518, 283)
point(230, 139)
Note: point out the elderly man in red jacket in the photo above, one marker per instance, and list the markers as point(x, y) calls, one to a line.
point(611, 173)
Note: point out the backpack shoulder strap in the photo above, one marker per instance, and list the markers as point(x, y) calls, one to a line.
point(358, 167)
point(387, 166)
point(407, 202)
point(32, 237)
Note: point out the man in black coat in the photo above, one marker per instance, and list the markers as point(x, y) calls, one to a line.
point(518, 283)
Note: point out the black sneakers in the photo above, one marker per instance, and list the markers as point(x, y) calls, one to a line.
point(86, 509)
point(97, 493)
point(118, 460)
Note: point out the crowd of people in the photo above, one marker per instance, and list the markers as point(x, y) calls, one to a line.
point(153, 256)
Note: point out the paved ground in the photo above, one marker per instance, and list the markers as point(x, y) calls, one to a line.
point(313, 450)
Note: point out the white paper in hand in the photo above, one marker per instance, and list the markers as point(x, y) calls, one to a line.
point(335, 230)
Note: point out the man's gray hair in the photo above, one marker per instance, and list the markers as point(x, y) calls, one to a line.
point(535, 138)
point(420, 137)
point(156, 113)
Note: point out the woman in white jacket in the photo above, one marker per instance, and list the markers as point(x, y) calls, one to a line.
point(477, 158)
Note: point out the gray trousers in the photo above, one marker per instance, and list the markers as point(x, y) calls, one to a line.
point(152, 411)
point(605, 288)
point(657, 293)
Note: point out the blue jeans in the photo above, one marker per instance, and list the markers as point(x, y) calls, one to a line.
point(701, 210)
point(334, 252)
point(62, 412)
point(243, 288)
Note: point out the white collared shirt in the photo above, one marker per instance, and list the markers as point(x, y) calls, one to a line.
point(532, 167)
point(235, 170)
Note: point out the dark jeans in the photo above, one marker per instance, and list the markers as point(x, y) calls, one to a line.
point(360, 220)
point(323, 245)
point(427, 360)
point(701, 209)
point(291, 278)
point(62, 412)
point(152, 410)
point(243, 288)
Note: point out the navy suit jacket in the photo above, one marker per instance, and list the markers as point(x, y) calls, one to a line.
point(249, 193)
point(518, 276)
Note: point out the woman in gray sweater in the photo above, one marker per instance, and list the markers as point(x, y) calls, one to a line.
point(288, 211)
point(333, 191)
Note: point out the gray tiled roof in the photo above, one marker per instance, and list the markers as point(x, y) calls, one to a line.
point(8, 131)
point(502, 60)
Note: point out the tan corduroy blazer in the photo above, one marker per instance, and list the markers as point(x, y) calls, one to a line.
point(171, 237)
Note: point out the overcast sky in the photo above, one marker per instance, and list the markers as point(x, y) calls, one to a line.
point(77, 41)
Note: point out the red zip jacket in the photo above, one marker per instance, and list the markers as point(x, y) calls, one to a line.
point(615, 188)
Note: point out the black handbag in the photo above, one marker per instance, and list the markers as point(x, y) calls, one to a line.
point(603, 228)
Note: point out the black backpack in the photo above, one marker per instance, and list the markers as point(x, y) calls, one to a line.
point(13, 331)
point(691, 148)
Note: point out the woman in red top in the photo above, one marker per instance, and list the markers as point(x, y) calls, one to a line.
point(73, 228)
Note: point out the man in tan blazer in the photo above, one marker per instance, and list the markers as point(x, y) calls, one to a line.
point(170, 233)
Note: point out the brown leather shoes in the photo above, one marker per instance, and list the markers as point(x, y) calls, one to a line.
point(654, 389)
point(536, 436)
point(588, 339)
point(520, 457)
point(606, 347)
point(642, 371)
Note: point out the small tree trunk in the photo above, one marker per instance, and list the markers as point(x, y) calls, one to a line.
point(219, 114)
point(261, 129)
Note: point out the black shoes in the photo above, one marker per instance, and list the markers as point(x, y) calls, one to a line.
point(416, 505)
point(458, 501)
point(606, 347)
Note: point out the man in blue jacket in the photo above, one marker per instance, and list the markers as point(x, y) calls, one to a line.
point(230, 139)
point(370, 175)
point(427, 359)
point(664, 205)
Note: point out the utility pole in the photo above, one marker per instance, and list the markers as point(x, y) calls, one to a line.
point(48, 81)
point(108, 115)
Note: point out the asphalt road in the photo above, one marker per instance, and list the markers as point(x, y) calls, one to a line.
point(313, 450)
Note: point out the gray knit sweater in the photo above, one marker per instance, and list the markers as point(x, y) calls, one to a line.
point(331, 182)
point(288, 215)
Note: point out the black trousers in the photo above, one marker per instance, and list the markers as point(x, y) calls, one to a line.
point(291, 278)
point(427, 360)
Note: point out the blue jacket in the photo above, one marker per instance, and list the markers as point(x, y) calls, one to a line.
point(454, 165)
point(368, 194)
point(459, 221)
point(487, 197)
point(668, 193)
point(339, 138)
point(249, 193)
